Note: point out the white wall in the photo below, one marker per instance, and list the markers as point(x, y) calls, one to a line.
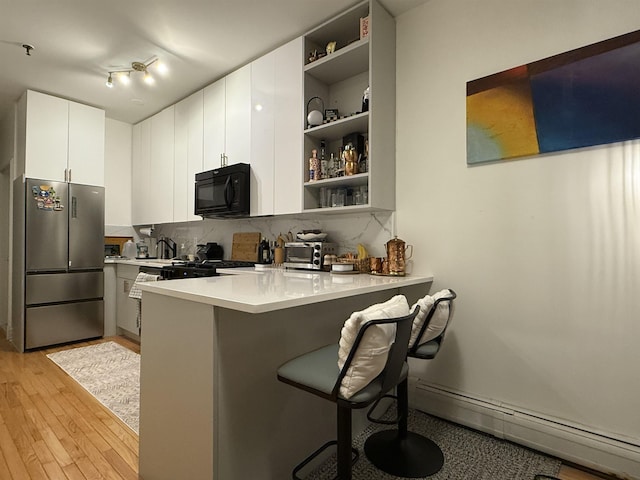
point(543, 252)
point(117, 172)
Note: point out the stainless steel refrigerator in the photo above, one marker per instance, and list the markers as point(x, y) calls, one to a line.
point(58, 260)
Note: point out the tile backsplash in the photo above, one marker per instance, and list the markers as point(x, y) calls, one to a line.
point(373, 230)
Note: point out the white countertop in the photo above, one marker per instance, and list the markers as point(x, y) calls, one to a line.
point(258, 291)
point(141, 262)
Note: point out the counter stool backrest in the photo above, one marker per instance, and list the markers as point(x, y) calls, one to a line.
point(429, 349)
point(392, 371)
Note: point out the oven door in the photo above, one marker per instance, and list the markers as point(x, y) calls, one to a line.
point(298, 252)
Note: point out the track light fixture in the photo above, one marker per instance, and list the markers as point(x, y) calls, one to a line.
point(124, 75)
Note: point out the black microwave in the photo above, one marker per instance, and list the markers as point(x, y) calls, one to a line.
point(224, 192)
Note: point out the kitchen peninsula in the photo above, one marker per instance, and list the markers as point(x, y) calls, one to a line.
point(211, 406)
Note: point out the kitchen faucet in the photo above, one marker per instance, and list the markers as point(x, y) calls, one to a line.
point(169, 245)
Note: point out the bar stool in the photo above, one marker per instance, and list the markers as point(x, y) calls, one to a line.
point(317, 372)
point(400, 452)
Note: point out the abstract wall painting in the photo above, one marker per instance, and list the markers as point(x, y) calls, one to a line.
point(584, 97)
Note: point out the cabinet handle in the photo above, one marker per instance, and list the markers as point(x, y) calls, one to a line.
point(66, 177)
point(223, 160)
point(69, 176)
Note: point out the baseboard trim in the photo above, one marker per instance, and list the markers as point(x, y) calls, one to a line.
point(576, 444)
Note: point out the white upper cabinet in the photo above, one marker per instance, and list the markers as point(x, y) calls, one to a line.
point(160, 193)
point(214, 124)
point(188, 155)
point(86, 144)
point(141, 164)
point(152, 172)
point(227, 120)
point(63, 140)
point(262, 135)
point(288, 99)
point(250, 116)
point(276, 91)
point(238, 115)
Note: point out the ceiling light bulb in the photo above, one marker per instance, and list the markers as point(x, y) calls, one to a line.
point(109, 82)
point(162, 67)
point(124, 78)
point(148, 79)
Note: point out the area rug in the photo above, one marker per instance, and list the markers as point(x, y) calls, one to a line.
point(110, 372)
point(468, 455)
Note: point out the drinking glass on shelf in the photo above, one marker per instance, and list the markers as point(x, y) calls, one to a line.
point(357, 197)
point(338, 197)
point(324, 201)
point(364, 192)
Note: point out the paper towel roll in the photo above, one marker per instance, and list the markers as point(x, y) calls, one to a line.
point(146, 231)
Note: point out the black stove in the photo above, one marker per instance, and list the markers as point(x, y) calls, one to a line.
point(206, 268)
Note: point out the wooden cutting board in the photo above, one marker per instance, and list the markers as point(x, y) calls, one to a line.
point(245, 246)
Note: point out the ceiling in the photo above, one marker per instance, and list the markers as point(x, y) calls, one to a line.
point(77, 42)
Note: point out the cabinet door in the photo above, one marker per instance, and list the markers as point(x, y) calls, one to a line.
point(238, 115)
point(214, 124)
point(160, 192)
point(262, 134)
point(86, 144)
point(140, 158)
point(47, 135)
point(188, 155)
point(288, 149)
point(126, 308)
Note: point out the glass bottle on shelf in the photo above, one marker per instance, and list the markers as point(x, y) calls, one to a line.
point(323, 161)
point(332, 166)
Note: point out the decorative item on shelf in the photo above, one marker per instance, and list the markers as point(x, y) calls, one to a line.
point(350, 160)
point(364, 27)
point(331, 47)
point(363, 160)
point(316, 55)
point(314, 167)
point(124, 74)
point(365, 99)
point(330, 114)
point(315, 117)
point(354, 139)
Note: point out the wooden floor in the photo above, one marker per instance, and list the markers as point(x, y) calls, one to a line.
point(52, 429)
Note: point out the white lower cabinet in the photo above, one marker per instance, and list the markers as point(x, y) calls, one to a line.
point(126, 308)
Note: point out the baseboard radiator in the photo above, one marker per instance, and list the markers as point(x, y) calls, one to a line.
point(573, 443)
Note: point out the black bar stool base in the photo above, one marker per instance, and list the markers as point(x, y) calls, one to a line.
point(412, 457)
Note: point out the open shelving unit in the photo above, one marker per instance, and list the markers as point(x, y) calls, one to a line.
point(340, 79)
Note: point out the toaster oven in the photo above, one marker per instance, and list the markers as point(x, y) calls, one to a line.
point(307, 255)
